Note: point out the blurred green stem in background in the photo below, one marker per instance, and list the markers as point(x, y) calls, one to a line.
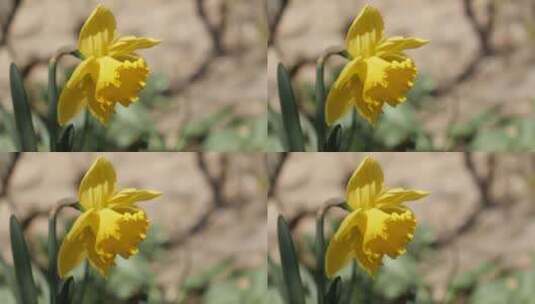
point(27, 139)
point(53, 93)
point(321, 93)
point(320, 247)
point(53, 278)
point(85, 130)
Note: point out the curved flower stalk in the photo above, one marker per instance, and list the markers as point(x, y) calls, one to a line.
point(378, 225)
point(111, 72)
point(379, 71)
point(111, 224)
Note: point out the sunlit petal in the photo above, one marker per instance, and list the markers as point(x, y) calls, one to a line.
point(129, 44)
point(365, 184)
point(98, 184)
point(97, 33)
point(129, 196)
point(73, 248)
point(397, 196)
point(365, 33)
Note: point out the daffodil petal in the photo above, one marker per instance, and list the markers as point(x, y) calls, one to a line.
point(120, 231)
point(344, 92)
point(349, 224)
point(98, 184)
point(399, 44)
point(72, 250)
point(129, 44)
point(388, 231)
point(365, 184)
point(76, 94)
point(397, 196)
point(338, 254)
point(129, 196)
point(365, 33)
point(97, 33)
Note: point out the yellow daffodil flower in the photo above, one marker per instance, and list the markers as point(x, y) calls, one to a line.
point(111, 71)
point(111, 224)
point(379, 70)
point(378, 224)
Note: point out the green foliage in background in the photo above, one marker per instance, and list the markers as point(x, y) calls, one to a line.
point(398, 281)
point(398, 129)
point(130, 129)
point(131, 281)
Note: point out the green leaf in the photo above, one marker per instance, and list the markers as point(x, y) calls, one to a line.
point(66, 139)
point(290, 114)
point(22, 261)
point(335, 290)
point(334, 140)
point(492, 140)
point(23, 114)
point(290, 264)
point(66, 291)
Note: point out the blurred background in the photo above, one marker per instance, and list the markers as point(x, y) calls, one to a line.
point(474, 90)
point(207, 239)
point(475, 241)
point(195, 98)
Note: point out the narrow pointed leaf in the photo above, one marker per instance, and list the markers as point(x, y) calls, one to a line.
point(66, 139)
point(349, 288)
point(290, 264)
point(334, 140)
point(290, 114)
point(335, 290)
point(53, 278)
point(23, 114)
point(66, 291)
point(22, 261)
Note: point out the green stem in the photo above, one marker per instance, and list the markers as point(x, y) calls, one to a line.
point(83, 285)
point(320, 246)
point(85, 130)
point(321, 94)
point(352, 132)
point(53, 278)
point(53, 125)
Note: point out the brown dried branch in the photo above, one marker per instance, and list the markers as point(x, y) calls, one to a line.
point(215, 181)
point(483, 182)
point(484, 31)
point(274, 176)
point(6, 179)
point(275, 20)
point(6, 27)
point(216, 32)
